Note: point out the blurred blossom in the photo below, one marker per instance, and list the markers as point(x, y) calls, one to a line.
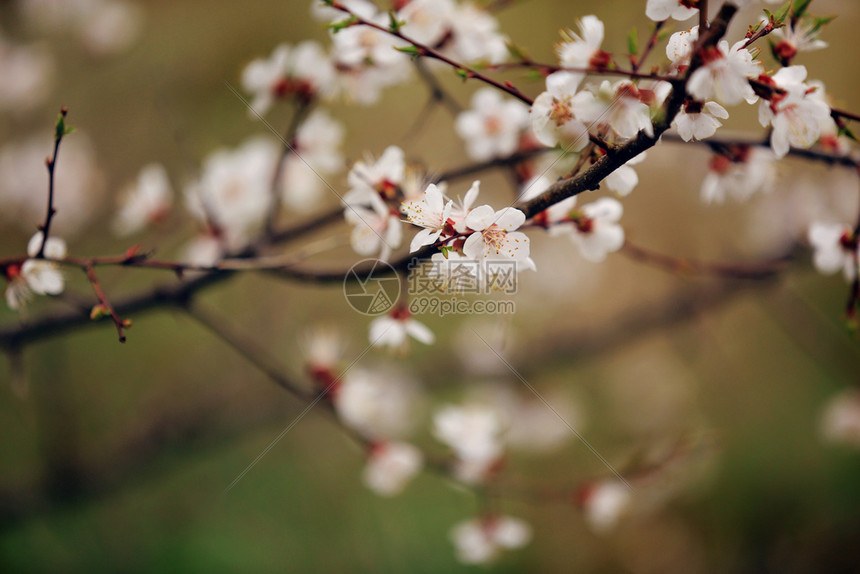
point(316, 157)
point(474, 433)
point(323, 348)
point(395, 329)
point(146, 202)
point(840, 419)
point(79, 183)
point(233, 194)
point(492, 126)
point(27, 73)
point(604, 503)
point(479, 540)
point(391, 466)
point(382, 403)
point(748, 171)
point(36, 275)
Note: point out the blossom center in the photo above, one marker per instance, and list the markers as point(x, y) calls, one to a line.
point(560, 111)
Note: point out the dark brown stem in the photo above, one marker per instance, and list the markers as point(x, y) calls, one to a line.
point(51, 164)
point(118, 322)
point(687, 266)
point(703, 16)
point(652, 42)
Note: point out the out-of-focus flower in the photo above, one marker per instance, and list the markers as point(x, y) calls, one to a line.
point(303, 70)
point(144, 203)
point(473, 432)
point(27, 76)
point(316, 157)
point(376, 177)
point(233, 194)
point(679, 48)
point(376, 230)
point(797, 35)
point(380, 404)
point(840, 419)
point(625, 179)
point(393, 330)
point(604, 503)
point(391, 466)
point(492, 127)
point(475, 36)
point(595, 229)
point(659, 10)
point(747, 171)
point(479, 540)
point(836, 248)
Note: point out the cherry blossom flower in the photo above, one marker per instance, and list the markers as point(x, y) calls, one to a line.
point(840, 419)
point(679, 48)
point(492, 127)
point(322, 348)
point(583, 50)
point(798, 115)
point(619, 107)
point(724, 76)
point(391, 466)
point(747, 171)
point(394, 329)
point(146, 202)
point(379, 177)
point(479, 540)
point(554, 114)
point(625, 179)
point(604, 503)
point(659, 10)
point(357, 45)
point(233, 193)
point(303, 70)
point(376, 230)
point(26, 73)
point(595, 229)
point(462, 207)
point(427, 21)
point(380, 404)
point(316, 157)
point(431, 213)
point(475, 36)
point(835, 247)
point(473, 432)
point(698, 121)
point(495, 236)
point(39, 276)
point(797, 35)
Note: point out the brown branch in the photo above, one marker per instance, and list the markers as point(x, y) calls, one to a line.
point(703, 16)
point(837, 113)
point(686, 266)
point(105, 305)
point(652, 43)
point(51, 163)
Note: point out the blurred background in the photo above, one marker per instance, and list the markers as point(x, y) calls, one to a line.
point(115, 457)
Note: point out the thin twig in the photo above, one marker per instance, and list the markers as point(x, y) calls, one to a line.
point(51, 163)
point(105, 304)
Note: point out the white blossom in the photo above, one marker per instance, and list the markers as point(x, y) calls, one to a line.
point(479, 540)
point(36, 275)
point(840, 419)
point(492, 127)
point(659, 10)
point(146, 202)
point(475, 36)
point(316, 157)
point(380, 404)
point(749, 171)
point(835, 249)
point(625, 179)
point(233, 194)
point(391, 466)
point(595, 229)
point(376, 230)
point(554, 114)
point(724, 76)
point(604, 503)
point(427, 21)
point(697, 121)
point(798, 115)
point(393, 330)
point(304, 70)
point(617, 106)
point(27, 76)
point(583, 50)
point(431, 213)
point(797, 35)
point(495, 236)
point(375, 177)
point(473, 432)
point(679, 48)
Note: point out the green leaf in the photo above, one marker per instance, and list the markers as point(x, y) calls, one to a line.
point(782, 13)
point(336, 27)
point(462, 73)
point(633, 42)
point(516, 52)
point(800, 7)
point(844, 131)
point(61, 129)
point(393, 23)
